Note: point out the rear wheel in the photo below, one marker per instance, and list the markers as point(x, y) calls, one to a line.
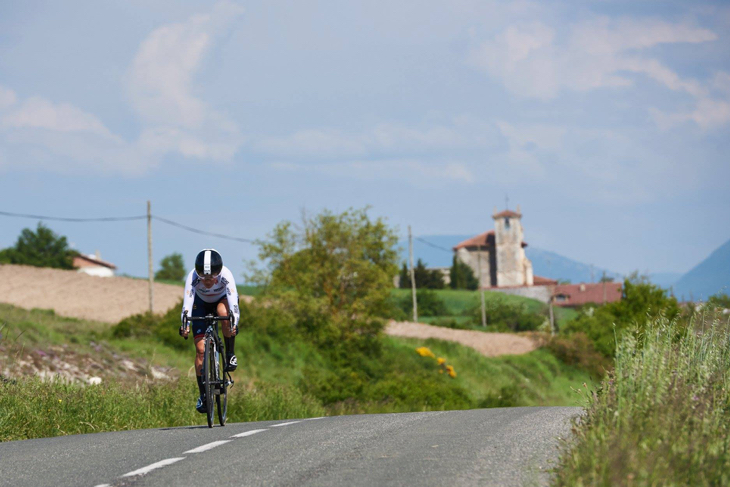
point(221, 401)
point(209, 378)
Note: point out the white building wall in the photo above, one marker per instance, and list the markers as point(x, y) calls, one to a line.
point(99, 271)
point(471, 258)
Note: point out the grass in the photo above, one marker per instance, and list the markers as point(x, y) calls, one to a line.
point(459, 302)
point(663, 416)
point(31, 408)
point(280, 375)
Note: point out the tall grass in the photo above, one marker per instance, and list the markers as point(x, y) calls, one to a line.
point(31, 408)
point(662, 417)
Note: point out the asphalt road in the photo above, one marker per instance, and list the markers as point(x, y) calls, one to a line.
point(501, 447)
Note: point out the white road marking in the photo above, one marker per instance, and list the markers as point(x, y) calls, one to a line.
point(103, 485)
point(149, 468)
point(207, 447)
point(284, 424)
point(247, 433)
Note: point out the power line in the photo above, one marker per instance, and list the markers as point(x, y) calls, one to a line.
point(434, 245)
point(195, 230)
point(63, 219)
point(125, 218)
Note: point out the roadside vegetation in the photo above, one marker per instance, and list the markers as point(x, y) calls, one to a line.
point(662, 415)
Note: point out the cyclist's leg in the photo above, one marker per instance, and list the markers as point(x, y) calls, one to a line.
point(200, 308)
point(228, 337)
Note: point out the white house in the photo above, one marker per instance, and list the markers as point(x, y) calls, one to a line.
point(93, 265)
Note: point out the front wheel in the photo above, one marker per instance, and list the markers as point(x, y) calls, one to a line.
point(209, 378)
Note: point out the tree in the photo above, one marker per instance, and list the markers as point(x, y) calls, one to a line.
point(334, 275)
point(42, 248)
point(172, 268)
point(462, 276)
point(641, 301)
point(425, 278)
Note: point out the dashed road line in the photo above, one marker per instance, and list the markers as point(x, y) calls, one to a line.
point(154, 466)
point(247, 433)
point(284, 424)
point(208, 446)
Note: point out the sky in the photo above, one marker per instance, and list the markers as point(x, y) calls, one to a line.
point(607, 122)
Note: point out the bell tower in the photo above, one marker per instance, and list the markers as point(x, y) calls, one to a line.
point(513, 268)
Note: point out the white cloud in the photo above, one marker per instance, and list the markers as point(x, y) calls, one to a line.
point(531, 60)
point(37, 112)
point(39, 132)
point(161, 86)
point(413, 171)
point(388, 137)
point(7, 97)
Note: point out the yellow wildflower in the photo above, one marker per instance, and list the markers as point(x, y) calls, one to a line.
point(441, 361)
point(425, 352)
point(451, 371)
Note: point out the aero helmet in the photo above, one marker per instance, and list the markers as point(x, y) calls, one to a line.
point(208, 263)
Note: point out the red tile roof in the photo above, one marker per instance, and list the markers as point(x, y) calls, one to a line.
point(578, 294)
point(485, 239)
point(543, 281)
point(508, 213)
point(82, 260)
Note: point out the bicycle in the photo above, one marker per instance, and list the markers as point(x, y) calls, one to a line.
point(215, 380)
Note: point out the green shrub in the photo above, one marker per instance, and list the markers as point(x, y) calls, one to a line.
point(503, 316)
point(145, 325)
point(640, 300)
point(429, 304)
point(578, 350)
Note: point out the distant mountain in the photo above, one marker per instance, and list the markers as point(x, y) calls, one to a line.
point(664, 279)
point(435, 251)
point(555, 266)
point(711, 276)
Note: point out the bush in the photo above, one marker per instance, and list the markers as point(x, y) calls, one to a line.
point(578, 350)
point(506, 317)
point(171, 268)
point(163, 328)
point(640, 303)
point(429, 304)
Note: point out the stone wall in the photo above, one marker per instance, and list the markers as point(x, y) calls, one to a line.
point(541, 293)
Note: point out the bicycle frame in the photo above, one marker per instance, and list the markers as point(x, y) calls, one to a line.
point(221, 379)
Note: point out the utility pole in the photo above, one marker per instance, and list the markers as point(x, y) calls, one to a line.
point(481, 291)
point(413, 276)
point(149, 255)
point(552, 317)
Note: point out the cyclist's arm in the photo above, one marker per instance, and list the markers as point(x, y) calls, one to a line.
point(231, 293)
point(189, 296)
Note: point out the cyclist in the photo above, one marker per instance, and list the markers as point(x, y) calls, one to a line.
point(210, 289)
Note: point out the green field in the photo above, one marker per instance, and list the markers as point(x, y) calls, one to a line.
point(460, 302)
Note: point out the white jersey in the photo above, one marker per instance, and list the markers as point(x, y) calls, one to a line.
point(225, 285)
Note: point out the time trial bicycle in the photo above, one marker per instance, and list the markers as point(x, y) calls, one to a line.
point(215, 380)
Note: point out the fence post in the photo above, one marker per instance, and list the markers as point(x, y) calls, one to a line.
point(413, 276)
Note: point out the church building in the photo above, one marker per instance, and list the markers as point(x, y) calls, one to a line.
point(497, 257)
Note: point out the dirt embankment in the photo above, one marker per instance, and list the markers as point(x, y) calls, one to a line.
point(111, 299)
point(78, 295)
point(489, 344)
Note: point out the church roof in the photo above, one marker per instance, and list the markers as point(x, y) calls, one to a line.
point(507, 213)
point(485, 239)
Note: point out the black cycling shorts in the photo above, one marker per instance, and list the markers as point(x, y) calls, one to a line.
point(201, 308)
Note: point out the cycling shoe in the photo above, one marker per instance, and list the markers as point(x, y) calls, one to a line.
point(201, 407)
point(231, 363)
